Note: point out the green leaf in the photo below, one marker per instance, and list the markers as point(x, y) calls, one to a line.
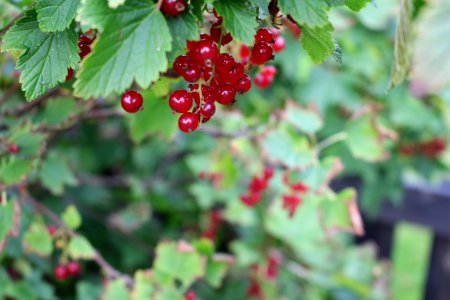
point(46, 58)
point(215, 272)
point(58, 110)
point(182, 28)
point(357, 5)
point(403, 42)
point(363, 140)
point(263, 8)
point(96, 14)
point(56, 15)
point(81, 248)
point(133, 46)
point(37, 239)
point(15, 171)
point(88, 291)
point(179, 261)
point(115, 3)
point(116, 290)
point(55, 173)
point(143, 287)
point(305, 120)
point(312, 13)
point(155, 118)
point(318, 42)
point(6, 219)
point(71, 217)
point(239, 18)
point(431, 64)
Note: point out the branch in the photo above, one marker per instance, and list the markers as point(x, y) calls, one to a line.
point(110, 271)
point(13, 21)
point(21, 110)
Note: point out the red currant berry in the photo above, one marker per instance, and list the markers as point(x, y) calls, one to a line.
point(69, 74)
point(192, 73)
point(206, 53)
point(262, 82)
point(244, 53)
point(209, 93)
point(207, 73)
point(216, 32)
point(275, 32)
point(261, 53)
point(73, 268)
point(181, 63)
point(132, 101)
point(84, 50)
point(190, 45)
point(60, 272)
point(224, 63)
point(263, 35)
point(269, 71)
point(244, 84)
point(294, 28)
point(52, 230)
point(13, 149)
point(257, 185)
point(180, 101)
point(208, 109)
point(173, 8)
point(226, 94)
point(196, 97)
point(205, 119)
point(188, 122)
point(268, 173)
point(190, 296)
point(236, 73)
point(251, 200)
point(84, 40)
point(279, 44)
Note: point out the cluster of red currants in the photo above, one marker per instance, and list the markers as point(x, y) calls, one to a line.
point(431, 149)
point(257, 186)
point(292, 200)
point(84, 44)
point(62, 272)
point(214, 77)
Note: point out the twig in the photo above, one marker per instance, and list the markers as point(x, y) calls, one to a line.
point(13, 21)
point(9, 92)
point(98, 258)
point(19, 111)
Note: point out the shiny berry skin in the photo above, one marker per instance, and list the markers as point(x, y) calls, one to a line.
point(206, 53)
point(208, 109)
point(279, 44)
point(84, 50)
point(226, 94)
point(244, 84)
point(209, 93)
point(173, 8)
point(192, 73)
point(269, 71)
point(60, 272)
point(188, 122)
point(180, 101)
point(264, 35)
point(216, 31)
point(224, 63)
point(73, 268)
point(132, 101)
point(13, 149)
point(69, 74)
point(261, 53)
point(262, 82)
point(236, 73)
point(181, 63)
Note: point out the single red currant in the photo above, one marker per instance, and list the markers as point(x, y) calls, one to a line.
point(190, 296)
point(69, 74)
point(224, 63)
point(60, 272)
point(226, 94)
point(181, 63)
point(188, 122)
point(206, 53)
point(192, 73)
point(275, 32)
point(85, 40)
point(196, 97)
point(262, 82)
point(84, 50)
point(52, 230)
point(236, 73)
point(207, 73)
point(132, 101)
point(208, 109)
point(244, 84)
point(205, 119)
point(279, 44)
point(263, 35)
point(269, 71)
point(261, 53)
point(180, 101)
point(73, 268)
point(13, 148)
point(173, 8)
point(216, 32)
